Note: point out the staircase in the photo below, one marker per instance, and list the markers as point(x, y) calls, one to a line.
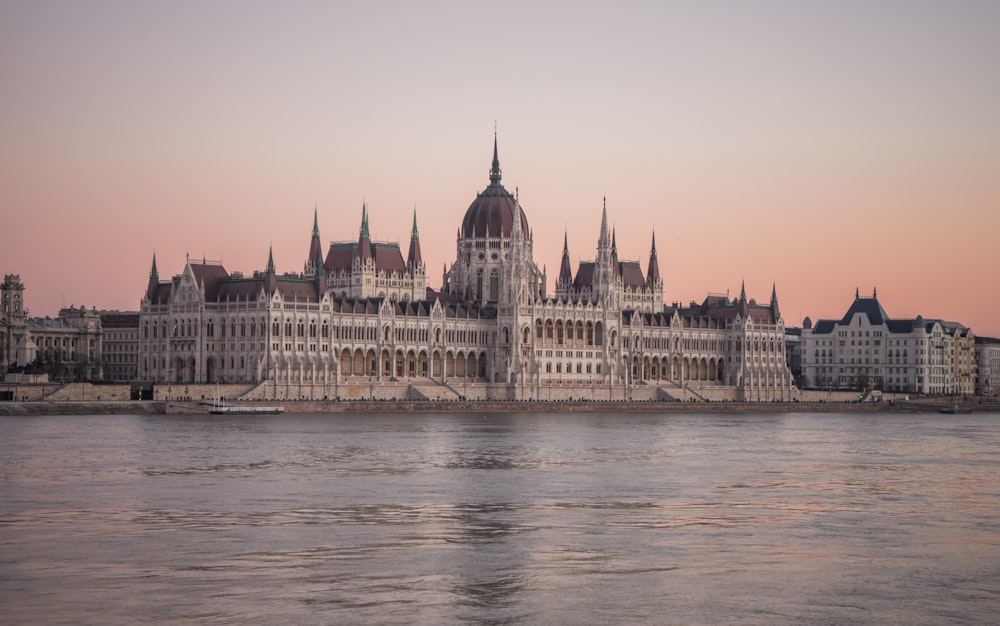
point(432, 390)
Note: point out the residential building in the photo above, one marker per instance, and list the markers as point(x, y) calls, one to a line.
point(866, 349)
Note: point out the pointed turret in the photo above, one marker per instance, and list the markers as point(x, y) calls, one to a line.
point(615, 265)
point(775, 311)
point(413, 257)
point(314, 261)
point(604, 241)
point(653, 271)
point(154, 280)
point(364, 239)
point(270, 260)
point(565, 269)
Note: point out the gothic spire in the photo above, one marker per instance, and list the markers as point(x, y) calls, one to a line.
point(270, 260)
point(364, 240)
point(565, 269)
point(495, 169)
point(603, 239)
point(414, 258)
point(653, 271)
point(774, 302)
point(314, 262)
point(154, 280)
point(614, 253)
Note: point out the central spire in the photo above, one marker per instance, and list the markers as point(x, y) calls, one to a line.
point(495, 170)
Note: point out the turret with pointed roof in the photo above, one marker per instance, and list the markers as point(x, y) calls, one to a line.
point(774, 302)
point(364, 239)
point(565, 269)
point(154, 280)
point(653, 270)
point(314, 261)
point(414, 258)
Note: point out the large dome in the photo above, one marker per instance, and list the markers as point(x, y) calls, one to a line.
point(492, 213)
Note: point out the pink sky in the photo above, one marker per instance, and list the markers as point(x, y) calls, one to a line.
point(822, 147)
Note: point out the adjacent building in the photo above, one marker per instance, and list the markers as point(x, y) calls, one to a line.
point(362, 313)
point(868, 350)
point(120, 343)
point(988, 366)
point(67, 347)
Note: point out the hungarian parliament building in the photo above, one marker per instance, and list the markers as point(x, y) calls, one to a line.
point(360, 320)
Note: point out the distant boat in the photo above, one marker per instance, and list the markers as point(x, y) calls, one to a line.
point(246, 410)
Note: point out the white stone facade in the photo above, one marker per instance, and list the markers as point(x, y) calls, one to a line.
point(491, 328)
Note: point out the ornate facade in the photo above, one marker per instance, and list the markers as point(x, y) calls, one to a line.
point(363, 316)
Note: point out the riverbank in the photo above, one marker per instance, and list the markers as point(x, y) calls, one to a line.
point(935, 405)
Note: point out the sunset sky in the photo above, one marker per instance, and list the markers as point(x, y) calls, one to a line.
point(823, 147)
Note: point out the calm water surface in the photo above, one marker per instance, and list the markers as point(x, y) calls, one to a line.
point(501, 519)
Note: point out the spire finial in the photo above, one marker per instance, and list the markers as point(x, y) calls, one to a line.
point(743, 291)
point(316, 220)
point(414, 235)
point(270, 259)
point(153, 274)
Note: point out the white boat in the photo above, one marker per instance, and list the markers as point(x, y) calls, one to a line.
point(246, 410)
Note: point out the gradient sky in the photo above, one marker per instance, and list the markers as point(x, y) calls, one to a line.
point(820, 146)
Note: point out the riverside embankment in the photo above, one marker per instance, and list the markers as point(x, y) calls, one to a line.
point(935, 405)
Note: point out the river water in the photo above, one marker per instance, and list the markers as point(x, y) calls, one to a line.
point(555, 518)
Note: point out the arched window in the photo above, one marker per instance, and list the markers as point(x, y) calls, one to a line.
point(494, 286)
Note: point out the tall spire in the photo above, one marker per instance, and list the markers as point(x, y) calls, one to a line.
point(414, 258)
point(154, 280)
point(614, 253)
point(775, 311)
point(495, 170)
point(653, 271)
point(603, 241)
point(364, 240)
point(314, 262)
point(743, 291)
point(565, 269)
point(364, 221)
point(270, 259)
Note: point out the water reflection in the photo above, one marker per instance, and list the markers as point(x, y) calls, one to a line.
point(516, 519)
